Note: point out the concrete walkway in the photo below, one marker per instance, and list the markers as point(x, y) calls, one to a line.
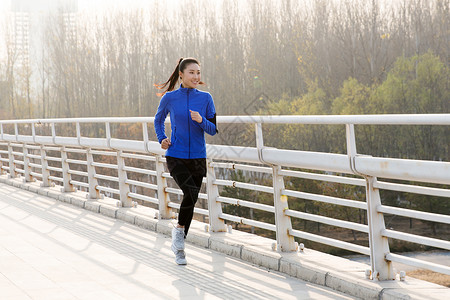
point(53, 250)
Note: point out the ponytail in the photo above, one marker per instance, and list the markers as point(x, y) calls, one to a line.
point(173, 79)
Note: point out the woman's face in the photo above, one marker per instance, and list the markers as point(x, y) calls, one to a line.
point(190, 77)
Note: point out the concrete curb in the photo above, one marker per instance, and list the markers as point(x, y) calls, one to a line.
point(319, 268)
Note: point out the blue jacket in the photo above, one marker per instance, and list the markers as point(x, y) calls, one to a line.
point(188, 138)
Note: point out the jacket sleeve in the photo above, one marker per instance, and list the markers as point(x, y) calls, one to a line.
point(160, 117)
point(208, 123)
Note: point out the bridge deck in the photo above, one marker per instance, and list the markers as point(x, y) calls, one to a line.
point(53, 250)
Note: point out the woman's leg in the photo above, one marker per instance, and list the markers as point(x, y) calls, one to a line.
point(190, 185)
point(197, 179)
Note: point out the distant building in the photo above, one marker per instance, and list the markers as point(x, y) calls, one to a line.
point(28, 24)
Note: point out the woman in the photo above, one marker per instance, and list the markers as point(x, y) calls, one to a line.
point(192, 113)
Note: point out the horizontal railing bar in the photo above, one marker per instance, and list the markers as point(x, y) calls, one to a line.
point(20, 171)
point(34, 156)
point(16, 145)
point(142, 184)
point(243, 167)
point(28, 146)
point(180, 192)
point(79, 183)
point(325, 199)
point(103, 165)
point(423, 190)
point(166, 175)
point(34, 174)
point(51, 148)
point(58, 159)
point(5, 168)
point(248, 186)
point(4, 152)
point(107, 189)
point(197, 210)
point(54, 169)
point(143, 198)
point(80, 173)
point(381, 119)
point(201, 211)
point(33, 165)
point(386, 119)
point(416, 239)
point(9, 137)
point(54, 178)
point(4, 159)
point(427, 216)
point(17, 153)
point(323, 177)
point(76, 161)
point(329, 241)
point(75, 150)
point(106, 153)
point(138, 156)
point(404, 169)
point(106, 177)
point(19, 162)
point(173, 191)
point(246, 221)
point(139, 170)
point(418, 263)
point(244, 203)
point(327, 220)
point(320, 161)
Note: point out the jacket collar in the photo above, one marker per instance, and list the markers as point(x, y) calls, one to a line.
point(185, 90)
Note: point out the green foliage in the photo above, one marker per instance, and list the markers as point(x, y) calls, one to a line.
point(355, 99)
point(416, 85)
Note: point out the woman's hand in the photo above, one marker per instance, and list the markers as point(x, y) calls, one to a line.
point(165, 143)
point(196, 116)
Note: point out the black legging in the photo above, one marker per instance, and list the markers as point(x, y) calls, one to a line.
point(190, 181)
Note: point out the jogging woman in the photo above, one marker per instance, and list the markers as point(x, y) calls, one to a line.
point(192, 113)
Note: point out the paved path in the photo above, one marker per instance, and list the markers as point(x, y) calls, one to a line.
point(53, 250)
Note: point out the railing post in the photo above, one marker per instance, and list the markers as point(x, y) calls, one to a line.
point(12, 164)
point(26, 164)
point(215, 208)
point(379, 245)
point(123, 185)
point(44, 164)
point(163, 197)
point(283, 223)
point(1, 162)
point(67, 186)
point(93, 183)
point(1, 165)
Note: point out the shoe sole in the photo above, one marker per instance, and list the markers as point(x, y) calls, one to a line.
point(181, 263)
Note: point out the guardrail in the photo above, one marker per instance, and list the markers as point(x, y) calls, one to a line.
point(30, 155)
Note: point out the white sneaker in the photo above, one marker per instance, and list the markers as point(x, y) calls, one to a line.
point(177, 239)
point(180, 257)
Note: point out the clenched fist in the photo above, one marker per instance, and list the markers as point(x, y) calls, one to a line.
point(196, 116)
point(165, 143)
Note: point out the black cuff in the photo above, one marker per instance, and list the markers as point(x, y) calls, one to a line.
point(213, 120)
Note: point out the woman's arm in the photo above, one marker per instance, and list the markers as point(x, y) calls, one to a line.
point(208, 123)
point(160, 117)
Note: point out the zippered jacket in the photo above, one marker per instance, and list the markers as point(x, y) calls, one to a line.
point(187, 138)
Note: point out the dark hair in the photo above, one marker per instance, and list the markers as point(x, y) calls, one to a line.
point(173, 79)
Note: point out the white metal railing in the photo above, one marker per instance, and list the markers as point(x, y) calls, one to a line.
point(30, 155)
